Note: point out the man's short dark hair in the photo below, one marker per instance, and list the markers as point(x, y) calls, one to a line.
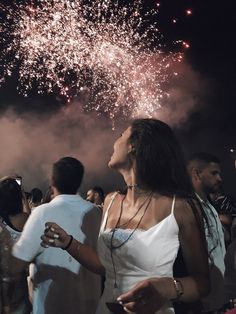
point(201, 160)
point(67, 174)
point(205, 157)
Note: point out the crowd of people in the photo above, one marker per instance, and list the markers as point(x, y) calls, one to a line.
point(166, 243)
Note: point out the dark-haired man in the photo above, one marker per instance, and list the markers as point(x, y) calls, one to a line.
point(205, 172)
point(61, 285)
point(96, 195)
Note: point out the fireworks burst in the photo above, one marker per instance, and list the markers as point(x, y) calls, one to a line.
point(105, 52)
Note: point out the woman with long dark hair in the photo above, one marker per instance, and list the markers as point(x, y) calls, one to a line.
point(143, 229)
point(12, 220)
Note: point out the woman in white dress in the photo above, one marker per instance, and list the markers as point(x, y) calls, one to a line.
point(143, 229)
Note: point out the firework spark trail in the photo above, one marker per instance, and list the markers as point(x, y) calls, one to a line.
point(102, 50)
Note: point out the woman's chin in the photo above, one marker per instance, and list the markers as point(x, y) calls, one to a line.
point(110, 165)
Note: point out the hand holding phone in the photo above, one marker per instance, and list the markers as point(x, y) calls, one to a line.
point(115, 308)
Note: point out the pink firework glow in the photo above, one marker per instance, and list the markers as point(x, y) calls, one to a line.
point(104, 52)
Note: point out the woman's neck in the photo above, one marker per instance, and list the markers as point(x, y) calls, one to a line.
point(135, 190)
point(129, 178)
point(136, 194)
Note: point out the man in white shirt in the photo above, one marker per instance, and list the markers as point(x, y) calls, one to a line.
point(61, 284)
point(205, 173)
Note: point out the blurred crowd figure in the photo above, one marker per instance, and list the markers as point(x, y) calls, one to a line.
point(230, 270)
point(48, 195)
point(205, 173)
point(222, 207)
point(36, 197)
point(54, 271)
point(226, 208)
point(12, 221)
point(96, 196)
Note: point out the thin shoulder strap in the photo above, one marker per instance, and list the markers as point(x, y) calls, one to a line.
point(173, 205)
point(104, 222)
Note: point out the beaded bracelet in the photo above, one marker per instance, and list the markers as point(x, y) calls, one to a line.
point(69, 243)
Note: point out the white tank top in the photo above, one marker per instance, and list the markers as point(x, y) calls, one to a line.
point(148, 253)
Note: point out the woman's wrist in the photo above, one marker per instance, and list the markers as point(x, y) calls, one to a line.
point(170, 288)
point(178, 289)
point(175, 289)
point(69, 242)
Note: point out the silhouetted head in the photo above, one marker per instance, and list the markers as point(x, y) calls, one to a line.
point(48, 196)
point(95, 195)
point(36, 195)
point(10, 197)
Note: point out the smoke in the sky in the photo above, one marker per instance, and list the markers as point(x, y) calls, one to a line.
point(30, 143)
point(186, 95)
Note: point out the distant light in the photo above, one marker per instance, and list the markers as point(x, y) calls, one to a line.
point(180, 58)
point(186, 45)
point(189, 12)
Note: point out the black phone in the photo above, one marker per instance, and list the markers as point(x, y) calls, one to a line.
point(115, 308)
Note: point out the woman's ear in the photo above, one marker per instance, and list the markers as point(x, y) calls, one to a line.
point(131, 150)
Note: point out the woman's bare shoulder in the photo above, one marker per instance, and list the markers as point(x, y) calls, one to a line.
point(186, 210)
point(110, 195)
point(109, 198)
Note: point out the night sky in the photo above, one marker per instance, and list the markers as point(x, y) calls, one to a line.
point(213, 54)
point(210, 31)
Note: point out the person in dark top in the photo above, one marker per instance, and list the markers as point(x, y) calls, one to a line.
point(12, 221)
